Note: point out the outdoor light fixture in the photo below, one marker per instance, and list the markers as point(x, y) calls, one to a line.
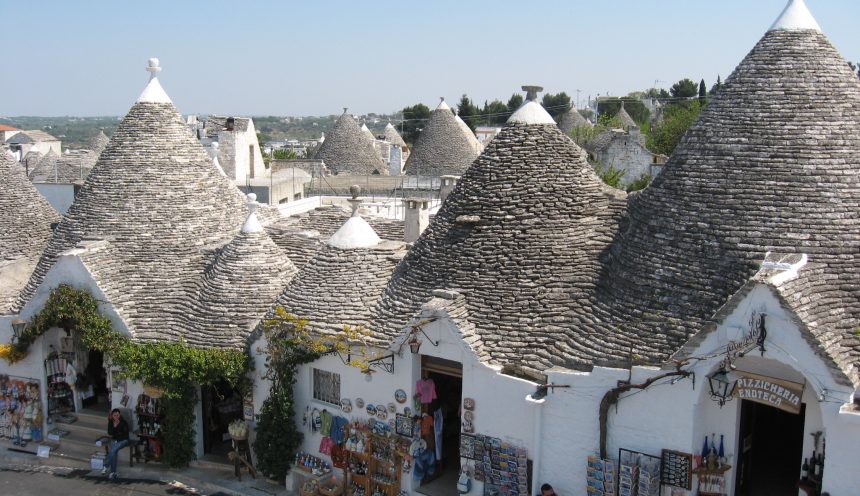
point(415, 341)
point(414, 345)
point(722, 387)
point(18, 327)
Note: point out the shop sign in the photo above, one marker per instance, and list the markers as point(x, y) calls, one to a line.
point(778, 393)
point(755, 337)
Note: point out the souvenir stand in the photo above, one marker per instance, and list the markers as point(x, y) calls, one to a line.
point(150, 418)
point(502, 466)
point(374, 459)
point(20, 409)
point(60, 374)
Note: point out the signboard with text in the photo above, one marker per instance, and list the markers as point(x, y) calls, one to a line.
point(777, 393)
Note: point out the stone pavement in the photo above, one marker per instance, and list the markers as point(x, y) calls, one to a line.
point(201, 478)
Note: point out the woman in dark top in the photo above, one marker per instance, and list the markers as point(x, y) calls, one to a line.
point(118, 432)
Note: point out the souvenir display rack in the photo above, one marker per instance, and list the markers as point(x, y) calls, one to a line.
point(20, 409)
point(61, 397)
point(373, 465)
point(499, 465)
point(150, 418)
point(601, 476)
point(638, 473)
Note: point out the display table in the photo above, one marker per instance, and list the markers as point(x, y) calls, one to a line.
point(296, 477)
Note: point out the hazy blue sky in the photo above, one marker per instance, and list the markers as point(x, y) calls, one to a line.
point(312, 58)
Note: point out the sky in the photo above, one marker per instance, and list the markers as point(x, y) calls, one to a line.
point(250, 57)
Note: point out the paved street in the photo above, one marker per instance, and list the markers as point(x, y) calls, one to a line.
point(51, 481)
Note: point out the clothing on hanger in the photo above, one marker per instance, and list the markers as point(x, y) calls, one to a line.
point(426, 390)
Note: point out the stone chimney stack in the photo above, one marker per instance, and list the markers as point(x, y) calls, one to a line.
point(448, 183)
point(416, 218)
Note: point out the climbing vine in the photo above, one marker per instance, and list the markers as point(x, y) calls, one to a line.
point(173, 367)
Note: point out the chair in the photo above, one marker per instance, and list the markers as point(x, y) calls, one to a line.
point(133, 451)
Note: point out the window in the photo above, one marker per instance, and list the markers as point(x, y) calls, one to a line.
point(326, 386)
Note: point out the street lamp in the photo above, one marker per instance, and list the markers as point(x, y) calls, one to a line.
point(18, 327)
point(722, 387)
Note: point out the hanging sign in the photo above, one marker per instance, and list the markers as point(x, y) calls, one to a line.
point(778, 393)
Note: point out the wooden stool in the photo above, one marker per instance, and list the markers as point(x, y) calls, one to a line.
point(241, 455)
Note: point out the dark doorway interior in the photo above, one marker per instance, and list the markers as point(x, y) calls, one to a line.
point(449, 393)
point(221, 405)
point(771, 450)
point(95, 376)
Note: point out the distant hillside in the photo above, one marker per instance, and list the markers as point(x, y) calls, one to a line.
point(74, 132)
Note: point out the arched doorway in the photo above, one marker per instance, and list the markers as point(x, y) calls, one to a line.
point(770, 450)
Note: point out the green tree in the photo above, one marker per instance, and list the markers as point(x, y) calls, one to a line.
point(556, 104)
point(414, 119)
point(659, 94)
point(468, 111)
point(677, 118)
point(703, 91)
point(639, 183)
point(716, 87)
point(284, 154)
point(684, 88)
point(633, 106)
point(609, 174)
point(496, 113)
point(515, 102)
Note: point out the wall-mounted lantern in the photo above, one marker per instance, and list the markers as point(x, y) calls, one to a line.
point(722, 387)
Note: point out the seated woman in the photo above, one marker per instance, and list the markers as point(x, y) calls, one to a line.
point(118, 433)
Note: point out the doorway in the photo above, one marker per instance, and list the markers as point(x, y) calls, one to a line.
point(222, 404)
point(96, 395)
point(447, 378)
point(771, 450)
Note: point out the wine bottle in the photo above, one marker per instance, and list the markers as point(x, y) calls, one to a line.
point(722, 452)
point(805, 469)
point(705, 449)
point(812, 461)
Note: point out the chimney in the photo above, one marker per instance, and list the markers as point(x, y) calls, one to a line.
point(448, 183)
point(416, 218)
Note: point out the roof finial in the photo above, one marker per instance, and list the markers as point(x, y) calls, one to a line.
point(345, 109)
point(153, 68)
point(795, 16)
point(531, 92)
point(252, 223)
point(355, 201)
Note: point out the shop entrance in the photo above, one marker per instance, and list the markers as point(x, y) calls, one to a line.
point(771, 450)
point(95, 383)
point(447, 379)
point(222, 404)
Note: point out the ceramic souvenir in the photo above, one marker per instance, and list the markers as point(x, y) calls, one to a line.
point(371, 409)
point(468, 403)
point(359, 403)
point(346, 405)
point(381, 412)
point(468, 415)
point(400, 396)
point(392, 408)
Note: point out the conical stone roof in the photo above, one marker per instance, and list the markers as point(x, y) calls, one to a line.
point(241, 284)
point(347, 150)
point(571, 120)
point(367, 132)
point(158, 201)
point(392, 136)
point(99, 142)
point(772, 164)
point(342, 283)
point(626, 121)
point(521, 245)
point(443, 147)
point(45, 169)
point(25, 228)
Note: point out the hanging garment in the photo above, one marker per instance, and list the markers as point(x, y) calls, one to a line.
point(325, 423)
point(437, 430)
point(338, 429)
point(426, 390)
point(425, 465)
point(326, 445)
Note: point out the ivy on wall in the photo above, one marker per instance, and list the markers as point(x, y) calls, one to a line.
point(174, 367)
